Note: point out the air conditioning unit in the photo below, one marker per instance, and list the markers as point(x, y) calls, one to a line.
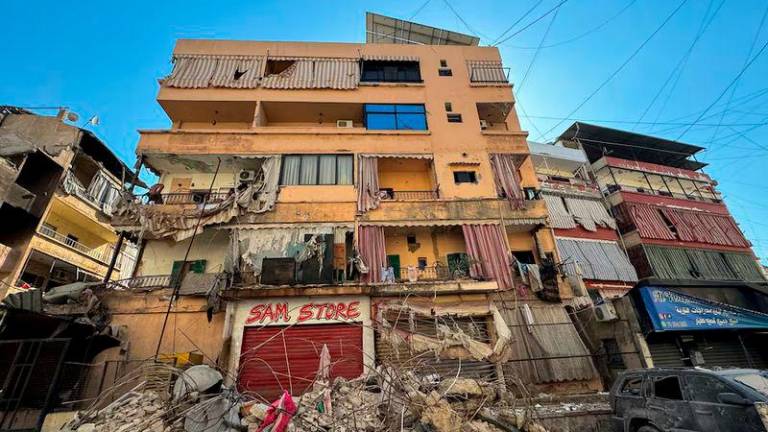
point(247, 176)
point(483, 124)
point(605, 311)
point(345, 124)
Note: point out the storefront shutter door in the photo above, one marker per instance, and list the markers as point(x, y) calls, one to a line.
point(275, 358)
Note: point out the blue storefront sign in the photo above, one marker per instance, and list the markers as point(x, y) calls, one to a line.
point(670, 310)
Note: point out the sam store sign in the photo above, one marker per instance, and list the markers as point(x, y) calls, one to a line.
point(318, 311)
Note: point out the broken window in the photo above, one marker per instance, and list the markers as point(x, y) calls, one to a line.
point(667, 388)
point(632, 386)
point(317, 170)
point(391, 71)
point(465, 177)
point(705, 389)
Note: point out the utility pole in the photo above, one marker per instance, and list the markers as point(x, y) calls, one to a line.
point(121, 237)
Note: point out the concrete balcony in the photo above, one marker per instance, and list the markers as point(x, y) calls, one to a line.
point(446, 211)
point(101, 254)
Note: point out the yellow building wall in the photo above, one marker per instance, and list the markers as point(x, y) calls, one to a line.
point(212, 245)
point(434, 246)
point(69, 220)
point(406, 174)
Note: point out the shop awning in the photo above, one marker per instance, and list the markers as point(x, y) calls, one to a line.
point(670, 310)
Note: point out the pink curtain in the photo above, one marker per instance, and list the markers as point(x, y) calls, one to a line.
point(367, 183)
point(486, 248)
point(372, 248)
point(507, 178)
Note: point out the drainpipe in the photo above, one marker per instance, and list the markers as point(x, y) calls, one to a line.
point(121, 237)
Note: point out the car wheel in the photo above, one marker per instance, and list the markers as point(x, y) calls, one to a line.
point(647, 428)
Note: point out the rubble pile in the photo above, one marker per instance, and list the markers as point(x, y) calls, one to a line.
point(389, 399)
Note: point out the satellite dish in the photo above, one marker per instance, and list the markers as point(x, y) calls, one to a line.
point(94, 121)
point(73, 117)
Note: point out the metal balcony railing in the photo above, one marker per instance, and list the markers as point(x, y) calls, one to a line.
point(713, 198)
point(174, 198)
point(427, 273)
point(102, 253)
point(141, 283)
point(398, 195)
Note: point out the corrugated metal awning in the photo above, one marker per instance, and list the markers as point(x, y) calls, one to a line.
point(237, 72)
point(315, 73)
point(427, 223)
point(486, 71)
point(385, 57)
point(601, 260)
point(192, 71)
point(524, 221)
point(399, 155)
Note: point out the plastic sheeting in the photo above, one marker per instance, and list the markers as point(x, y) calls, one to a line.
point(255, 245)
point(486, 248)
point(599, 260)
point(367, 184)
point(507, 178)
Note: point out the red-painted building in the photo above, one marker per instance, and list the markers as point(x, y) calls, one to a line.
point(701, 298)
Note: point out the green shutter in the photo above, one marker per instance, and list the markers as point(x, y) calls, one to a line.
point(197, 266)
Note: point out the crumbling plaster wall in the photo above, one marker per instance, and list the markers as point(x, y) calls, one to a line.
point(212, 245)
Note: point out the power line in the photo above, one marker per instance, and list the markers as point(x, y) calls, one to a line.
point(423, 5)
point(684, 59)
point(536, 53)
point(644, 122)
point(581, 36)
point(466, 24)
point(725, 90)
point(556, 7)
point(749, 53)
point(532, 8)
point(619, 69)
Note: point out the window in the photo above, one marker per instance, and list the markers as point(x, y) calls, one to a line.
point(443, 63)
point(181, 268)
point(667, 388)
point(317, 170)
point(395, 117)
point(445, 72)
point(422, 263)
point(632, 386)
point(448, 107)
point(705, 389)
point(465, 177)
point(454, 118)
point(391, 71)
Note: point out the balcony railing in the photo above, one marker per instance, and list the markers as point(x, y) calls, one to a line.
point(427, 273)
point(397, 195)
point(178, 198)
point(713, 198)
point(141, 283)
point(102, 253)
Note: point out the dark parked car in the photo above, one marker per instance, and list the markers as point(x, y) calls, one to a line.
point(690, 399)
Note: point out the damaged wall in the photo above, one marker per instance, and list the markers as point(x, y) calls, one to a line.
point(212, 245)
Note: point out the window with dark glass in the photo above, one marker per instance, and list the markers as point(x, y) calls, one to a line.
point(465, 177)
point(454, 118)
point(317, 170)
point(391, 71)
point(445, 72)
point(395, 117)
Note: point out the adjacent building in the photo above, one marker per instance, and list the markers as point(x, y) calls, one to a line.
point(701, 299)
point(58, 187)
point(378, 199)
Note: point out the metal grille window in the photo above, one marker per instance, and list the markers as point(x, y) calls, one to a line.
point(391, 71)
point(395, 117)
point(317, 170)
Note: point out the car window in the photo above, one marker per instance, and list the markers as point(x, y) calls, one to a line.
point(755, 381)
point(705, 389)
point(631, 386)
point(667, 388)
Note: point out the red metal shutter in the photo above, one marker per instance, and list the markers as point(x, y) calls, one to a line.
point(276, 357)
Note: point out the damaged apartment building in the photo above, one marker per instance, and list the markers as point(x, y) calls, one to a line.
point(701, 296)
point(59, 186)
point(378, 199)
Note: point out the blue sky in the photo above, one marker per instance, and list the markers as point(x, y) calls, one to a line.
point(105, 58)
